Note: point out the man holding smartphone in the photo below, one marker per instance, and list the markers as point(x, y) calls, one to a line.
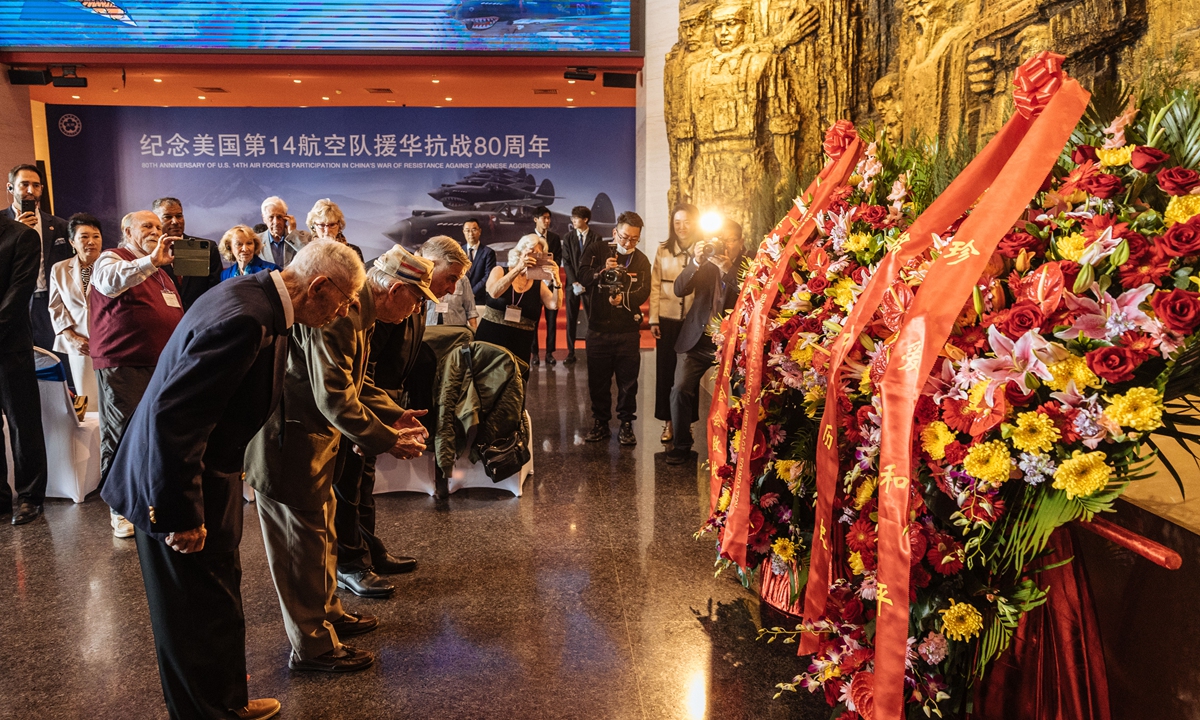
point(26, 187)
point(170, 213)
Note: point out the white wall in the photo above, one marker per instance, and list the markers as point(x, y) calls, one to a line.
point(653, 156)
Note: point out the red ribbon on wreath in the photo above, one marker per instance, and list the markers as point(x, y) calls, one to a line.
point(1036, 81)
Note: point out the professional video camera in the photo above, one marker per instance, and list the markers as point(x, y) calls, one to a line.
point(615, 281)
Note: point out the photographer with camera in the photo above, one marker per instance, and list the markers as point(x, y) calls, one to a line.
point(712, 279)
point(617, 280)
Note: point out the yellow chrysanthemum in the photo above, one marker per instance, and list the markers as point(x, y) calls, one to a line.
point(935, 437)
point(1073, 368)
point(842, 292)
point(1115, 157)
point(1140, 408)
point(786, 468)
point(784, 548)
point(961, 621)
point(1082, 475)
point(865, 492)
point(723, 501)
point(1072, 246)
point(857, 242)
point(989, 461)
point(803, 355)
point(1181, 209)
point(1034, 432)
point(856, 563)
point(864, 382)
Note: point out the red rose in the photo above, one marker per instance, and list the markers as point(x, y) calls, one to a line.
point(1021, 318)
point(1181, 239)
point(1113, 364)
point(817, 284)
point(1084, 153)
point(1013, 243)
point(926, 410)
point(1014, 396)
point(1102, 185)
point(873, 215)
point(1178, 181)
point(1070, 271)
point(859, 274)
point(1139, 246)
point(1147, 159)
point(1178, 310)
point(838, 138)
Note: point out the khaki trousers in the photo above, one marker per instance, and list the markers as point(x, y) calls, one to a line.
point(302, 553)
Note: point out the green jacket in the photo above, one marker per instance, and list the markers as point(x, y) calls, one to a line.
point(479, 386)
point(325, 395)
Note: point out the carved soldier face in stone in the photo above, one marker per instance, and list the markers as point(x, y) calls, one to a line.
point(887, 104)
point(729, 22)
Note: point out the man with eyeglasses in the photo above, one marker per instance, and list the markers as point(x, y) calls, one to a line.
point(329, 400)
point(279, 242)
point(617, 280)
point(26, 188)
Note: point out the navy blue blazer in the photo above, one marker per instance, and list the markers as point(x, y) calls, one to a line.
point(56, 241)
point(218, 379)
point(706, 281)
point(256, 265)
point(481, 267)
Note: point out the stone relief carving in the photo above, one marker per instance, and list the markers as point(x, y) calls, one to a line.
point(751, 85)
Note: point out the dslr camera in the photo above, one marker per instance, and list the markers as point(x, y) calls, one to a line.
point(710, 248)
point(615, 281)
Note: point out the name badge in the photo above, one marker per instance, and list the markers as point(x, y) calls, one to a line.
point(441, 307)
point(512, 314)
point(171, 299)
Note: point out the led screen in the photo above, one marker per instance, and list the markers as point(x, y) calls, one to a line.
point(527, 26)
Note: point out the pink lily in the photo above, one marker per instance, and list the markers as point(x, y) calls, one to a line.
point(1109, 318)
point(1013, 361)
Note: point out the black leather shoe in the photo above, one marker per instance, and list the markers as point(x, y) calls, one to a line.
point(389, 564)
point(570, 359)
point(550, 360)
point(365, 584)
point(679, 456)
point(26, 513)
point(599, 432)
point(344, 659)
point(352, 624)
point(534, 361)
point(626, 436)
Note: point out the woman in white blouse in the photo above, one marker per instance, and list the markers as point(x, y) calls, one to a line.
point(69, 284)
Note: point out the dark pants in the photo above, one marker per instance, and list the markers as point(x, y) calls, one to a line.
point(39, 320)
point(354, 518)
point(551, 333)
point(664, 366)
point(196, 611)
point(609, 355)
point(22, 407)
point(573, 304)
point(121, 389)
point(685, 395)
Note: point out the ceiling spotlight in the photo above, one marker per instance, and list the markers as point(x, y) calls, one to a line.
point(570, 99)
point(296, 81)
point(157, 79)
point(435, 82)
point(449, 99)
point(74, 97)
point(324, 98)
point(391, 101)
point(579, 73)
point(570, 82)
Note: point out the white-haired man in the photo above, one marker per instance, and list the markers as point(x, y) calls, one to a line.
point(292, 462)
point(178, 474)
point(408, 376)
point(279, 243)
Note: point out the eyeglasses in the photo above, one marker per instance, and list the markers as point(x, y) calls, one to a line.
point(625, 239)
point(325, 226)
point(349, 300)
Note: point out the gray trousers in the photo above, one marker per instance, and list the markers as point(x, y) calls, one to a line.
point(685, 393)
point(302, 554)
point(121, 389)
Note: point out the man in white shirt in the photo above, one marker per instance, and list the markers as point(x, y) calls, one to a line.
point(280, 243)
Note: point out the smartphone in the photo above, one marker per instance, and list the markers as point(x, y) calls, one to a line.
point(28, 206)
point(191, 257)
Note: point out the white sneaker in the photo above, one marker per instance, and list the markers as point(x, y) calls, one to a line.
point(122, 528)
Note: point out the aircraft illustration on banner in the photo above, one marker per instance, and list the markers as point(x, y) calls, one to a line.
point(481, 15)
point(488, 188)
point(104, 8)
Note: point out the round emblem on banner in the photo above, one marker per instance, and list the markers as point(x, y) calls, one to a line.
point(70, 125)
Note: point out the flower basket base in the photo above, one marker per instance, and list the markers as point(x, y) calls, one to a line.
point(777, 590)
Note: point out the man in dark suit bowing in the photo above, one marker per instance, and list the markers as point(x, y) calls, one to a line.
point(26, 187)
point(482, 259)
point(177, 475)
point(541, 227)
point(170, 213)
point(574, 244)
point(712, 275)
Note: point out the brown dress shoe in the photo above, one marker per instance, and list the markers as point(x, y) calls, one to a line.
point(259, 709)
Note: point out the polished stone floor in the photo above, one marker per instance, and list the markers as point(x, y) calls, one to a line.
point(586, 598)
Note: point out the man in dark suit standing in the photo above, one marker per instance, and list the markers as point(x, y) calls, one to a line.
point(26, 187)
point(177, 475)
point(279, 242)
point(574, 245)
point(712, 275)
point(482, 260)
point(19, 254)
point(541, 227)
point(170, 213)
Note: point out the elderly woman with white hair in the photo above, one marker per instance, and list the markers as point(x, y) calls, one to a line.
point(515, 301)
point(242, 248)
point(327, 221)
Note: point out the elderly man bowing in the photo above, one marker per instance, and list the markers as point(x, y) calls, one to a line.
point(292, 463)
point(177, 473)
